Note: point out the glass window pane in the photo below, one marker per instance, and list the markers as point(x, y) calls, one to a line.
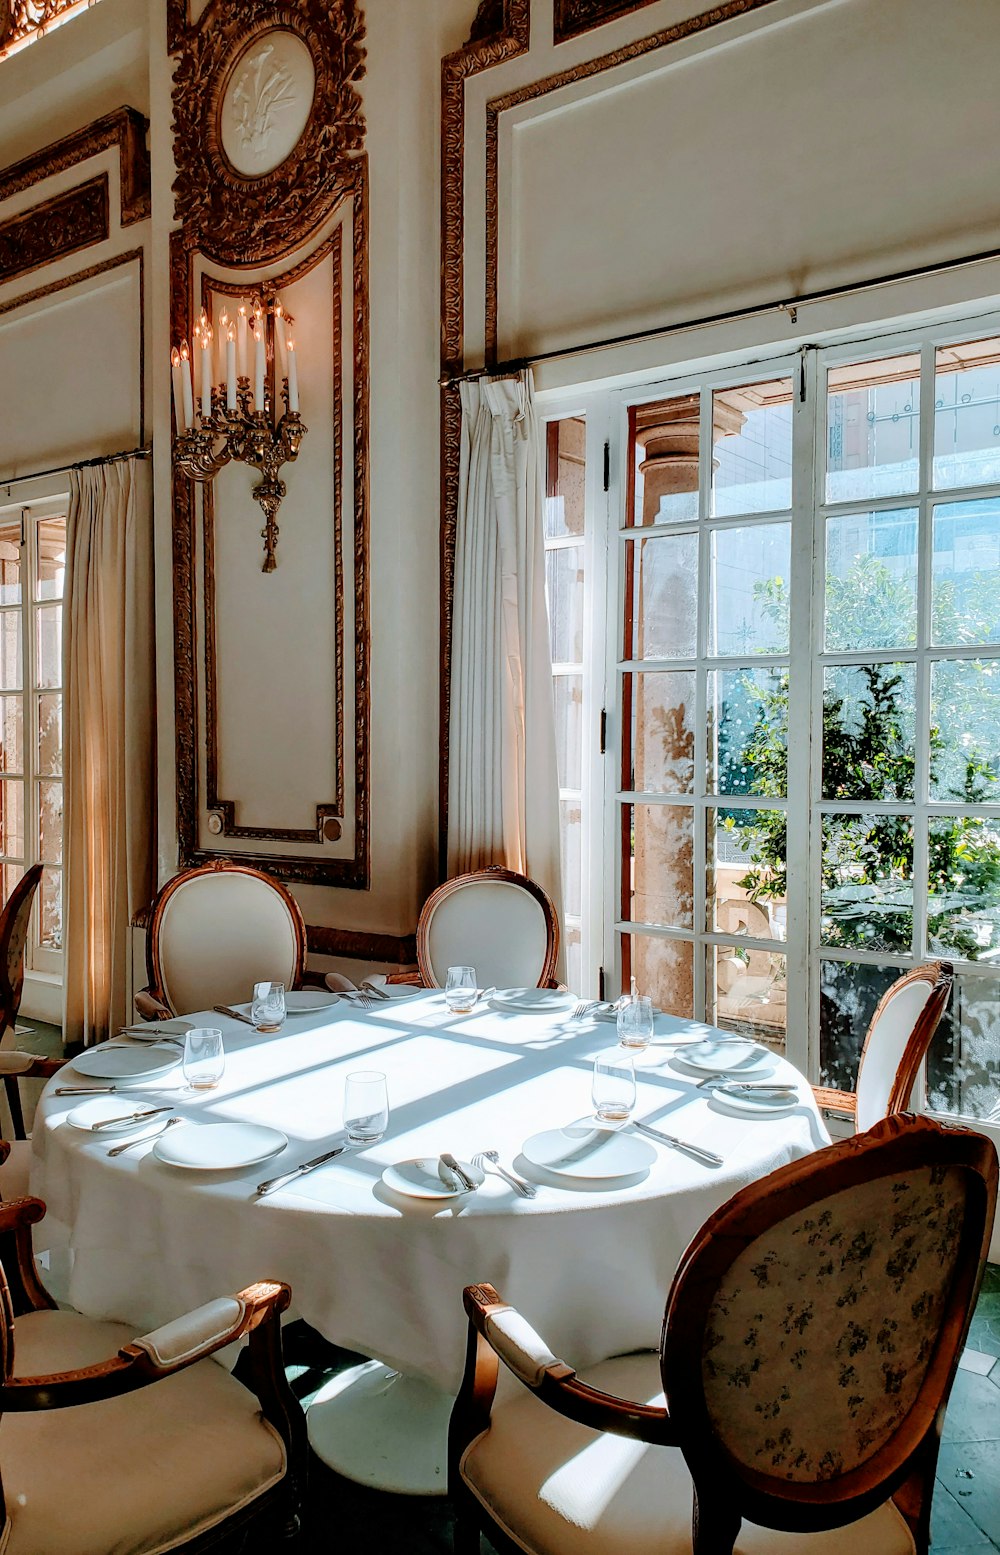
point(746, 992)
point(750, 570)
point(868, 882)
point(571, 852)
point(50, 935)
point(871, 579)
point(573, 941)
point(666, 461)
point(873, 428)
point(966, 569)
point(49, 709)
point(564, 592)
point(658, 711)
point(746, 872)
point(658, 864)
point(748, 732)
point(752, 448)
point(11, 734)
point(662, 968)
point(848, 994)
point(661, 597)
point(51, 558)
point(565, 476)
point(965, 725)
point(12, 818)
point(963, 1064)
point(869, 731)
point(10, 561)
point(50, 829)
point(10, 650)
point(567, 699)
point(967, 413)
point(48, 649)
point(11, 875)
point(963, 898)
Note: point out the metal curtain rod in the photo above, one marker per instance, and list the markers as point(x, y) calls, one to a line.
point(80, 464)
point(661, 331)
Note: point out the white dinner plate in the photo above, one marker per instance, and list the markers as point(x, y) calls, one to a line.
point(218, 1147)
point(103, 1107)
point(394, 990)
point(533, 1001)
point(750, 1106)
point(421, 1179)
point(711, 1057)
point(585, 1150)
point(303, 1001)
point(127, 1065)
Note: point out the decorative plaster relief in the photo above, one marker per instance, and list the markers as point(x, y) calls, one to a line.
point(60, 226)
point(576, 16)
point(267, 103)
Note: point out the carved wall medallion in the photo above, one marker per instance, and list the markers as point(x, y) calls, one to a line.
point(266, 121)
point(57, 227)
point(576, 16)
point(125, 128)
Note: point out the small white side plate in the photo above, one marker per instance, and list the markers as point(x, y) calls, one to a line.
point(156, 1030)
point(219, 1147)
point(101, 1108)
point(588, 1152)
point(128, 1064)
point(749, 1106)
point(421, 1179)
point(533, 1001)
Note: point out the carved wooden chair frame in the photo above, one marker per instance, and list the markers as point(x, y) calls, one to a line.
point(940, 975)
point(21, 1291)
point(423, 976)
point(20, 900)
point(151, 1002)
point(902, 1469)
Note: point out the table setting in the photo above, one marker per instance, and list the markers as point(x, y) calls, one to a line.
point(381, 1155)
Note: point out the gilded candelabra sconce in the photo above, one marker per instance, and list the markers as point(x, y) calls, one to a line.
point(237, 419)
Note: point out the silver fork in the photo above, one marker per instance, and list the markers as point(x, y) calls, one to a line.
point(583, 1008)
point(485, 1159)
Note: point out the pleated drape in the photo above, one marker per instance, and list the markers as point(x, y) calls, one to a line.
point(503, 793)
point(108, 740)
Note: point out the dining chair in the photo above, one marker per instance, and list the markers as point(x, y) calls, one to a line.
point(214, 931)
point(795, 1404)
point(896, 1043)
point(493, 919)
point(139, 1445)
point(14, 1064)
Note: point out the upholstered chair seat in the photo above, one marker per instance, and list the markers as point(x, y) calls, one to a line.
point(137, 1474)
point(557, 1488)
point(214, 932)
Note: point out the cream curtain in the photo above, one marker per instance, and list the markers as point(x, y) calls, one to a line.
point(503, 794)
point(108, 740)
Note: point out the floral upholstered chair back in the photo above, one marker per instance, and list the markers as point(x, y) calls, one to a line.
point(825, 1310)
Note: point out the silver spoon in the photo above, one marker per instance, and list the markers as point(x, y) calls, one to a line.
point(144, 1138)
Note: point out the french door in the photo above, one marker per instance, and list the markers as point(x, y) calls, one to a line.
point(784, 762)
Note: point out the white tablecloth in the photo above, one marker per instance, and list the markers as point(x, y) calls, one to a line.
point(384, 1274)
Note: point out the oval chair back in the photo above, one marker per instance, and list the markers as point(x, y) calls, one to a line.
point(815, 1325)
point(14, 922)
point(896, 1043)
point(495, 920)
point(216, 930)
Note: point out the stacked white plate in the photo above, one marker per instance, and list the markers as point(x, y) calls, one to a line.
point(587, 1152)
point(126, 1064)
point(219, 1147)
point(533, 1001)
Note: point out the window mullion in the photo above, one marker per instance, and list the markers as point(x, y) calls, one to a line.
point(925, 545)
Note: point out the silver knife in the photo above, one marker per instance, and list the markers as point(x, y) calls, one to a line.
point(225, 1009)
point(130, 1117)
point(298, 1171)
point(85, 1090)
point(679, 1144)
point(448, 1161)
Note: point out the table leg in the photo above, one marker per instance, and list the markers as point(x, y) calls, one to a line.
point(384, 1429)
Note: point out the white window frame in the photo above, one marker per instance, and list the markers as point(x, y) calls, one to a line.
point(605, 410)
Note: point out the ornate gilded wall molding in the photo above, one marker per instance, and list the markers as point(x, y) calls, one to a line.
point(125, 128)
point(488, 45)
point(575, 16)
point(591, 67)
point(239, 89)
point(57, 227)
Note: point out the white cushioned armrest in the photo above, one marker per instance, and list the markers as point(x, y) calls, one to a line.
point(187, 1336)
point(14, 1062)
point(518, 1346)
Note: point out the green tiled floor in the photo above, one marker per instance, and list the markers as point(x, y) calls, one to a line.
point(966, 1512)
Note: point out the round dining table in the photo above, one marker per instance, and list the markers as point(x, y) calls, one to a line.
point(588, 1262)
